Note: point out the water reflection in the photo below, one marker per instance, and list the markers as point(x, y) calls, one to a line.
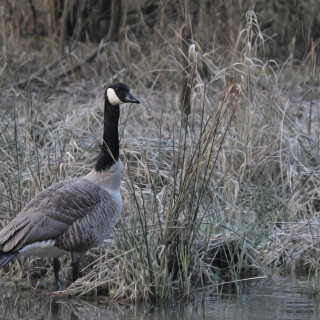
point(280, 298)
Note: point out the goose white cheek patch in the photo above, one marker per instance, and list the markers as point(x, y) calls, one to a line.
point(112, 97)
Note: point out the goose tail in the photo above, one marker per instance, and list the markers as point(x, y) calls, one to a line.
point(6, 257)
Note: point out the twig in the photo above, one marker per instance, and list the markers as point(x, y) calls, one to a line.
point(64, 23)
point(77, 66)
point(42, 71)
point(34, 16)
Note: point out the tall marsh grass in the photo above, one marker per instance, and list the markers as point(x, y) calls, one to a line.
point(206, 195)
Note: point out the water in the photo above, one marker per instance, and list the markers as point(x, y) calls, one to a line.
point(277, 298)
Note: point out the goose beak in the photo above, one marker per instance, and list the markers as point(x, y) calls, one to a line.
point(130, 98)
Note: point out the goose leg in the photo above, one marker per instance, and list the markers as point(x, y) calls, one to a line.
point(75, 265)
point(56, 269)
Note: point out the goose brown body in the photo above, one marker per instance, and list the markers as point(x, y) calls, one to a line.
point(76, 214)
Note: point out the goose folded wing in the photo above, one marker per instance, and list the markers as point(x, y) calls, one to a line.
point(54, 212)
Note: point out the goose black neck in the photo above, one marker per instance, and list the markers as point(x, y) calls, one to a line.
point(110, 145)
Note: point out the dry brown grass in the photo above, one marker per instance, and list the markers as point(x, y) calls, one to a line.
point(203, 198)
point(295, 245)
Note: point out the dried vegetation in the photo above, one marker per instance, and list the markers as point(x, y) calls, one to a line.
point(221, 159)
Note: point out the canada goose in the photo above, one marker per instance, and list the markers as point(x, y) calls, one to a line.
point(73, 215)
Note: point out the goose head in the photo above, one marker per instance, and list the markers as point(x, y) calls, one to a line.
point(118, 93)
